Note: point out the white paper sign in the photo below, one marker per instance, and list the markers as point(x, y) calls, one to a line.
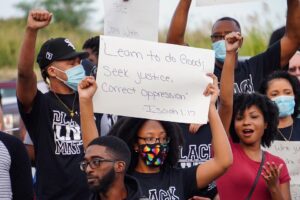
point(216, 2)
point(290, 153)
point(153, 80)
point(136, 19)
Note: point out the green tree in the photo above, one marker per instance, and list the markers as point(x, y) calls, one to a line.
point(69, 12)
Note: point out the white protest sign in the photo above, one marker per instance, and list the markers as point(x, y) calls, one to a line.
point(153, 80)
point(290, 153)
point(216, 2)
point(136, 19)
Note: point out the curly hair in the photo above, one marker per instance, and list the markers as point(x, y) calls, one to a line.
point(265, 105)
point(93, 44)
point(291, 79)
point(127, 128)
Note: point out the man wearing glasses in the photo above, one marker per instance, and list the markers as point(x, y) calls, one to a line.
point(248, 73)
point(105, 163)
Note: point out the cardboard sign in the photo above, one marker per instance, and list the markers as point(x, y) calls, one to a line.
point(153, 80)
point(216, 2)
point(136, 19)
point(289, 151)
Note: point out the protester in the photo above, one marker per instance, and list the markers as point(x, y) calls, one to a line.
point(1, 115)
point(276, 35)
point(196, 150)
point(294, 65)
point(91, 46)
point(248, 73)
point(105, 163)
point(154, 147)
point(15, 172)
point(250, 121)
point(52, 119)
point(284, 90)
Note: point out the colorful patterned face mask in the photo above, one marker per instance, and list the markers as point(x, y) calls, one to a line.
point(154, 155)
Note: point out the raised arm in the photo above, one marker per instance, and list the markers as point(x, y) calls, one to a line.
point(215, 167)
point(290, 42)
point(233, 42)
point(86, 90)
point(26, 81)
point(178, 24)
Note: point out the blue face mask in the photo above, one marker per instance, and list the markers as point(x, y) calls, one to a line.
point(220, 50)
point(74, 75)
point(285, 104)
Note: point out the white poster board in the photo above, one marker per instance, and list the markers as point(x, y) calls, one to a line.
point(153, 80)
point(136, 19)
point(290, 153)
point(217, 2)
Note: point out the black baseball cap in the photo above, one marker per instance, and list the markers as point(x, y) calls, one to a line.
point(56, 49)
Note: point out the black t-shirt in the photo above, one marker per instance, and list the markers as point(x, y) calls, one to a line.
point(14, 158)
point(249, 73)
point(197, 147)
point(170, 183)
point(295, 128)
point(196, 150)
point(58, 147)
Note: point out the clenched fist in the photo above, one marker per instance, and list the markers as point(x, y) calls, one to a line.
point(38, 19)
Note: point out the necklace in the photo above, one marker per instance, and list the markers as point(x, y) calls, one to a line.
point(71, 111)
point(291, 133)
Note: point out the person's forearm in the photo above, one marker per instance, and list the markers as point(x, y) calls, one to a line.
point(178, 24)
point(26, 79)
point(220, 143)
point(26, 57)
point(293, 20)
point(227, 90)
point(276, 194)
point(290, 42)
point(87, 121)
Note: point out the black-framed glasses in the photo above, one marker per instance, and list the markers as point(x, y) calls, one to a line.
point(294, 69)
point(152, 140)
point(219, 36)
point(94, 163)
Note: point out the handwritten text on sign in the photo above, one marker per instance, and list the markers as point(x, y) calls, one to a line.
point(217, 2)
point(137, 19)
point(153, 80)
point(290, 153)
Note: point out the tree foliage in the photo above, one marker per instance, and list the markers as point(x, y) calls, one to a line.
point(69, 12)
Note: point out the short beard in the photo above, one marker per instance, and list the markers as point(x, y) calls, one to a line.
point(105, 182)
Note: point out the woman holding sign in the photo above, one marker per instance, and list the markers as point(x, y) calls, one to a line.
point(251, 122)
point(284, 89)
point(155, 148)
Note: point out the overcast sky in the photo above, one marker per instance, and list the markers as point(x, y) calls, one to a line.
point(267, 10)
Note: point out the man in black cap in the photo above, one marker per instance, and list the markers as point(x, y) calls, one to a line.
point(52, 119)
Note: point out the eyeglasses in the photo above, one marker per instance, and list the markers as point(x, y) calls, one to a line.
point(94, 163)
point(152, 140)
point(294, 69)
point(217, 36)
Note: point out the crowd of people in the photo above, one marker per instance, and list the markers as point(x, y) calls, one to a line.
point(79, 154)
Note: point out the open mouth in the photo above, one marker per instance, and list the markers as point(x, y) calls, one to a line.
point(247, 132)
point(91, 180)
